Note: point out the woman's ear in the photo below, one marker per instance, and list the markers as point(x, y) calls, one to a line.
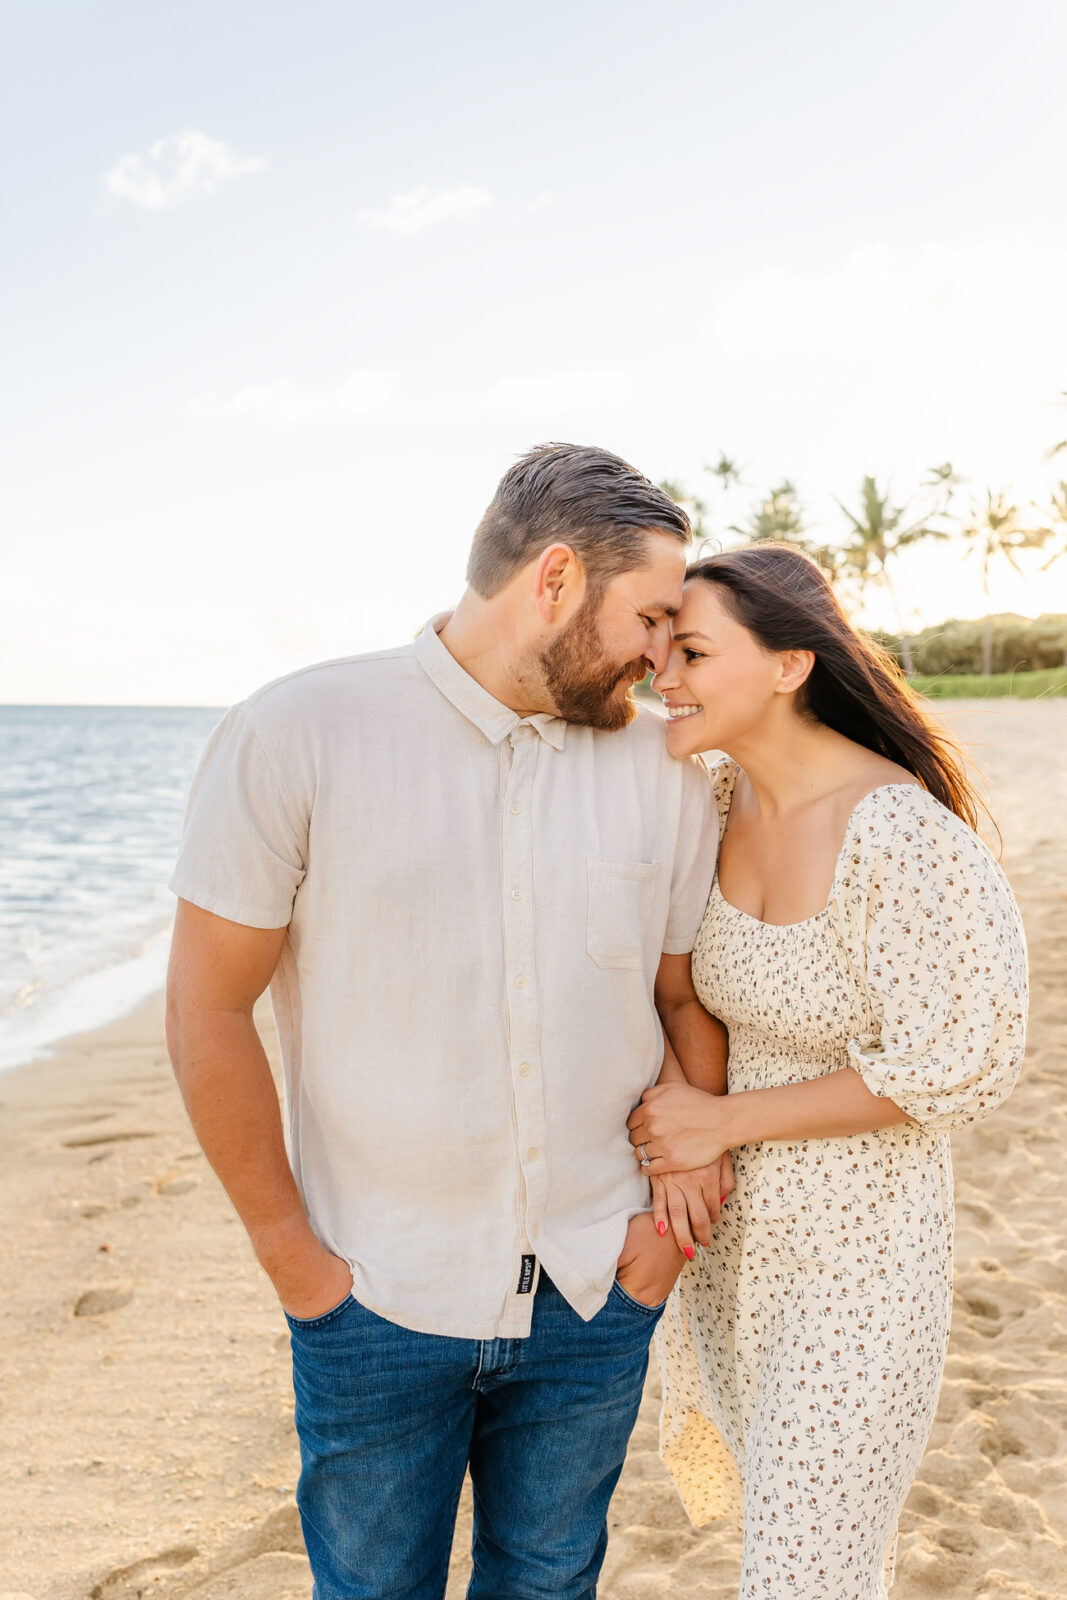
point(795, 670)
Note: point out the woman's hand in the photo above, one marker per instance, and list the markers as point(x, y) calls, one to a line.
point(682, 1128)
point(690, 1202)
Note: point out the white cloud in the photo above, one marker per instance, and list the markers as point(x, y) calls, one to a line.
point(542, 201)
point(283, 403)
point(938, 301)
point(559, 392)
point(424, 208)
point(175, 170)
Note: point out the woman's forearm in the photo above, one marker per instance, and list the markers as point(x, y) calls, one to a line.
point(684, 1128)
point(836, 1105)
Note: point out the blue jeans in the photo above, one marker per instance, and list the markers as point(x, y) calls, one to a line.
point(389, 1421)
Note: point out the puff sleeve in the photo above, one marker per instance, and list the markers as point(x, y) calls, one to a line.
point(933, 931)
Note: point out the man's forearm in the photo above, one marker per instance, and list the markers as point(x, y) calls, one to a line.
point(700, 1043)
point(226, 1083)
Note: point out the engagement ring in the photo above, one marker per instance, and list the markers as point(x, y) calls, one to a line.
point(645, 1162)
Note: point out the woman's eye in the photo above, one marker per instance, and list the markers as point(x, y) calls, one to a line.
point(690, 655)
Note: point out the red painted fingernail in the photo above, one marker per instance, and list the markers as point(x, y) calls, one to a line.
point(661, 1228)
point(690, 1253)
point(723, 1199)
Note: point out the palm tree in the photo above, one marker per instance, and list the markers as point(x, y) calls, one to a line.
point(945, 481)
point(728, 471)
point(691, 504)
point(1057, 523)
point(879, 533)
point(777, 516)
point(996, 531)
point(1057, 519)
point(1057, 448)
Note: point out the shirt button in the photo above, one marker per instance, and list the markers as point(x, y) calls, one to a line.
point(515, 810)
point(520, 982)
point(524, 1069)
point(516, 894)
point(533, 1153)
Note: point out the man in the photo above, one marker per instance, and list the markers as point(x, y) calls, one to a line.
point(462, 866)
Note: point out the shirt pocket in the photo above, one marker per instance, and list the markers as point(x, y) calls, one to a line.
point(620, 904)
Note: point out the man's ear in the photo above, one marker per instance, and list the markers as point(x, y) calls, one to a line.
point(557, 573)
point(795, 670)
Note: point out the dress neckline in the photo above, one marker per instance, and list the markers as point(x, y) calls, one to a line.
point(850, 820)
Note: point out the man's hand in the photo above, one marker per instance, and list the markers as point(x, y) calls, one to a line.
point(690, 1202)
point(650, 1263)
point(307, 1279)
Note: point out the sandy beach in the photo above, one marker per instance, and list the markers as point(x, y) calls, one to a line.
point(144, 1380)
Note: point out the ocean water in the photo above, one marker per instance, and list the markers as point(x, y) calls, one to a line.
point(91, 806)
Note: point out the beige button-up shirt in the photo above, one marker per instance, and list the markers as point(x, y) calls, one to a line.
point(476, 904)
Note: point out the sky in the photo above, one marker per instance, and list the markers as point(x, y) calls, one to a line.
point(287, 288)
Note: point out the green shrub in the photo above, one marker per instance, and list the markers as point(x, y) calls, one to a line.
point(1020, 644)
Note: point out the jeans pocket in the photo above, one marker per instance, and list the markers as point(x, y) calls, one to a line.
point(636, 1305)
point(320, 1321)
point(620, 899)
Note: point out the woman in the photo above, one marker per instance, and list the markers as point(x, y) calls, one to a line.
point(865, 954)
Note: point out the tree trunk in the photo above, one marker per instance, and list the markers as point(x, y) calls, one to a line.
point(905, 656)
point(987, 647)
point(905, 642)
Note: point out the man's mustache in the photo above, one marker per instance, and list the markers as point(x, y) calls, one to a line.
point(634, 670)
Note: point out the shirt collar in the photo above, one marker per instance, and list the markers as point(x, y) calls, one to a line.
point(495, 720)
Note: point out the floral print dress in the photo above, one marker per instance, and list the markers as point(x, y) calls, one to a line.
point(802, 1352)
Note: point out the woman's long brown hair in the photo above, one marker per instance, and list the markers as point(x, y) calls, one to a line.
point(855, 687)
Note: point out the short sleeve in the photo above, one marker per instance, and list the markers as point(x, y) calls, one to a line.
point(939, 939)
point(695, 854)
point(244, 846)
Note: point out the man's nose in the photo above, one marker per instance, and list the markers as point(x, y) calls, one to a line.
point(659, 649)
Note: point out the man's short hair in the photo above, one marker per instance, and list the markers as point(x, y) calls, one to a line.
point(576, 495)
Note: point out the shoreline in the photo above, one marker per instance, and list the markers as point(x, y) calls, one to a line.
point(94, 1000)
point(144, 1362)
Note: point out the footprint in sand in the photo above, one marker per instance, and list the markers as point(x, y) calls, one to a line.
point(84, 1141)
point(130, 1583)
point(268, 1562)
point(94, 1302)
point(64, 1119)
point(174, 1183)
point(282, 1577)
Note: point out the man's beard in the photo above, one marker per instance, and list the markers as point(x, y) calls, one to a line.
point(579, 679)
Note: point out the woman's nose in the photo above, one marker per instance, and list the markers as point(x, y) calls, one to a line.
point(666, 677)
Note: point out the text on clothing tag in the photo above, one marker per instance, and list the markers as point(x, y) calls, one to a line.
point(526, 1274)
